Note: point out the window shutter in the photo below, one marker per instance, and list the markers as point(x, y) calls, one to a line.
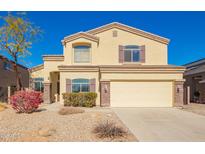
point(142, 54)
point(121, 54)
point(92, 85)
point(68, 85)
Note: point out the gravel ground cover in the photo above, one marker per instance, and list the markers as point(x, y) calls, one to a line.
point(48, 125)
point(195, 108)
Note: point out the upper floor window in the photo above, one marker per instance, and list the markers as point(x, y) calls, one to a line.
point(7, 66)
point(131, 53)
point(82, 54)
point(80, 85)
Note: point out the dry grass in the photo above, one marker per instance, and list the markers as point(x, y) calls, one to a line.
point(3, 106)
point(70, 110)
point(109, 130)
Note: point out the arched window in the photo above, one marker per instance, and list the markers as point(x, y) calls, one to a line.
point(132, 53)
point(80, 85)
point(81, 54)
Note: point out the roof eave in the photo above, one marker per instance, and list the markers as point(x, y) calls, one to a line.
point(130, 29)
point(80, 35)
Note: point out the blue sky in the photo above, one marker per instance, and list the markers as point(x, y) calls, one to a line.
point(185, 29)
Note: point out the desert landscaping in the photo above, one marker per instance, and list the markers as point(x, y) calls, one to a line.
point(48, 124)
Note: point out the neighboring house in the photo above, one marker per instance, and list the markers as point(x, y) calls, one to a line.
point(125, 66)
point(195, 80)
point(8, 77)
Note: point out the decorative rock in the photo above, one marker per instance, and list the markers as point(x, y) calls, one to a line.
point(45, 132)
point(109, 115)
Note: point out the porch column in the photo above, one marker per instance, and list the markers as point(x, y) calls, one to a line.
point(105, 93)
point(9, 94)
point(47, 92)
point(188, 94)
point(178, 93)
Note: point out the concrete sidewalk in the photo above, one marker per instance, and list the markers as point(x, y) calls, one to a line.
point(163, 124)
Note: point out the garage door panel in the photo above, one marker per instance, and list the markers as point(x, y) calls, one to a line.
point(141, 94)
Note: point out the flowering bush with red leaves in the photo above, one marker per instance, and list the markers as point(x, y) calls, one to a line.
point(26, 101)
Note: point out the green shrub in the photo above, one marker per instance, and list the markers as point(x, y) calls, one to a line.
point(80, 99)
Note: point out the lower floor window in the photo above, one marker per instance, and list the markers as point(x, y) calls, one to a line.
point(80, 85)
point(38, 84)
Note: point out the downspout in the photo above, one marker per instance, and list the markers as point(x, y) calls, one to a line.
point(99, 79)
point(99, 76)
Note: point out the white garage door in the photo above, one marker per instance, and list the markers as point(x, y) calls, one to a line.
point(141, 94)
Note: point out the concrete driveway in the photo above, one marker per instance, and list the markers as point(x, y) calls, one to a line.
point(163, 124)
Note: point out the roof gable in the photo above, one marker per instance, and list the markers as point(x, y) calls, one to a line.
point(128, 29)
point(37, 68)
point(80, 35)
point(90, 35)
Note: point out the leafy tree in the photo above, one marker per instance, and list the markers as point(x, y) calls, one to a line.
point(16, 37)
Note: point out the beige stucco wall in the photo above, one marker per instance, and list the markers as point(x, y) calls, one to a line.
point(74, 75)
point(50, 66)
point(38, 73)
point(141, 76)
point(106, 52)
point(156, 53)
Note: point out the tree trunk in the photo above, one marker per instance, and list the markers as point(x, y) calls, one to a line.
point(18, 82)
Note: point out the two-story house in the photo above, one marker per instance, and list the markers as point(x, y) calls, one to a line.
point(125, 66)
point(8, 77)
